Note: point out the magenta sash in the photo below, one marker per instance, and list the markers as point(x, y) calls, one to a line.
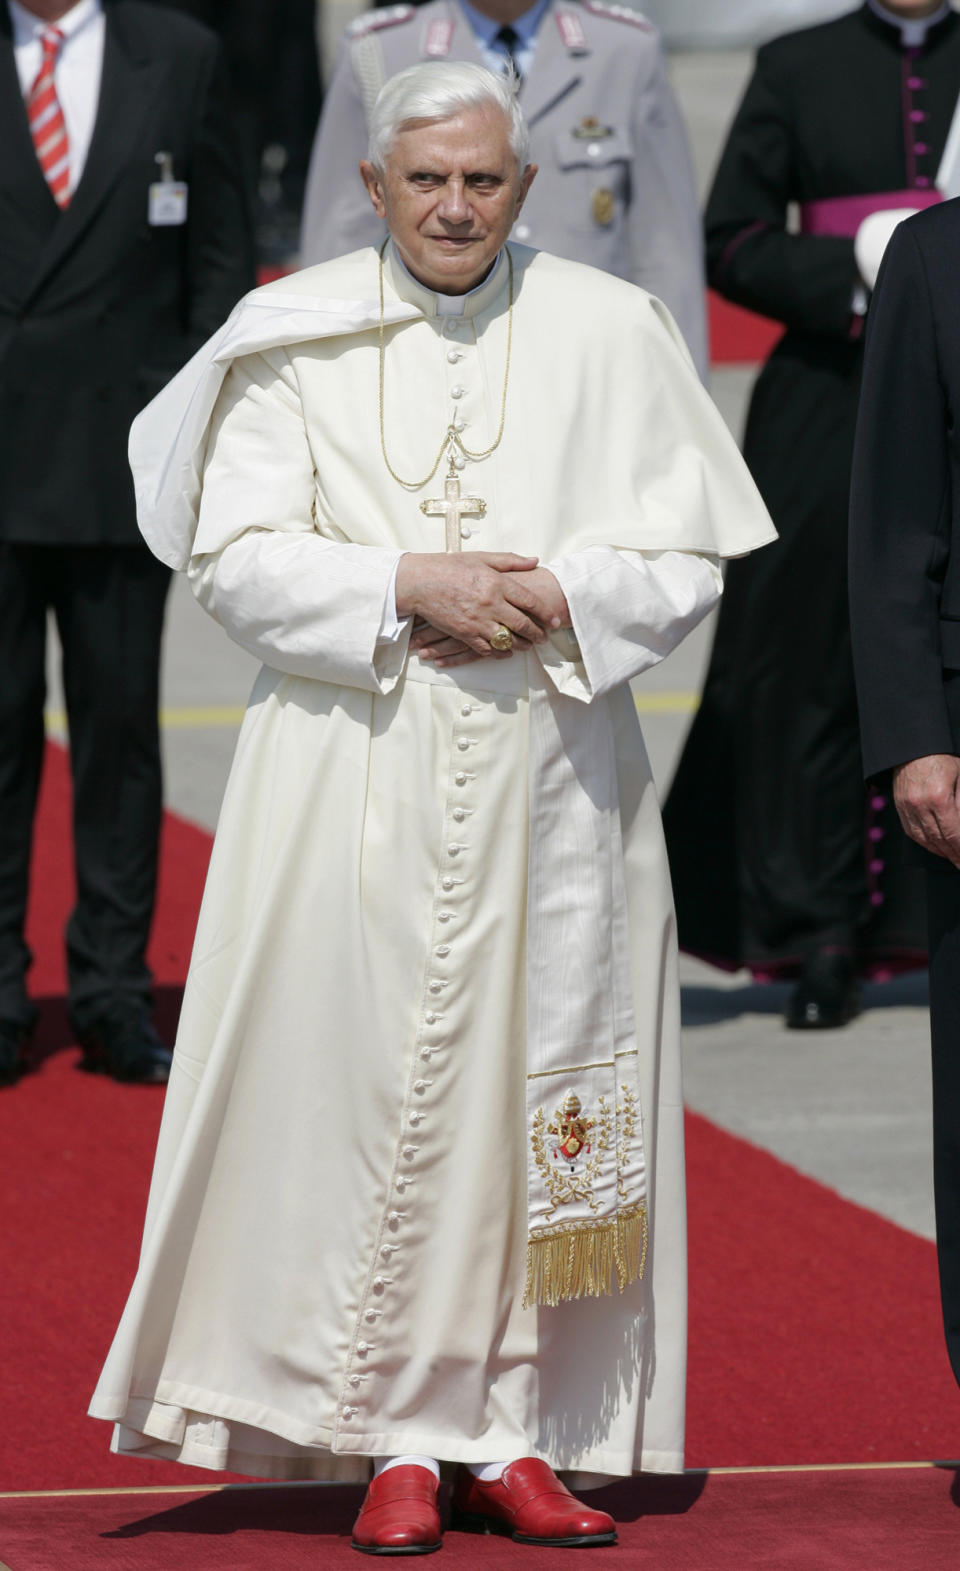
point(843, 215)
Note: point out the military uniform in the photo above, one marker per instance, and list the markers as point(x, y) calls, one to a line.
point(615, 187)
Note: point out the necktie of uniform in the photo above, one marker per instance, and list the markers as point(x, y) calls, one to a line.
point(508, 39)
point(47, 125)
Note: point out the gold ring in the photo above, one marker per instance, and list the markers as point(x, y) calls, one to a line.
point(502, 639)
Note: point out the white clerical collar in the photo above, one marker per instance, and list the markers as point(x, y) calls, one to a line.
point(433, 304)
point(913, 34)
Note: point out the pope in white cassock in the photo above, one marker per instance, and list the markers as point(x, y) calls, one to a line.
point(418, 1194)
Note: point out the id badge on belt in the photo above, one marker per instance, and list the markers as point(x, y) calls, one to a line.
point(167, 204)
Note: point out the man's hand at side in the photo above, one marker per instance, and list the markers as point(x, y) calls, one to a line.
point(927, 796)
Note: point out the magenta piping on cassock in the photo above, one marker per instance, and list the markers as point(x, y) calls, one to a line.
point(733, 246)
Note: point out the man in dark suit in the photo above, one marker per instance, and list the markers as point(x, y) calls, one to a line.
point(125, 242)
point(905, 606)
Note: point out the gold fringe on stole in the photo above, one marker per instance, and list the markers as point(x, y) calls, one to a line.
point(580, 1261)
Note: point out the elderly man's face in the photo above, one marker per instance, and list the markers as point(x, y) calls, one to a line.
point(450, 192)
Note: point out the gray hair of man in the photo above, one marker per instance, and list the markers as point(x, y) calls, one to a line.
point(439, 90)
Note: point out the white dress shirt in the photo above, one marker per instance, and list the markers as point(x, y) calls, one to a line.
point(77, 71)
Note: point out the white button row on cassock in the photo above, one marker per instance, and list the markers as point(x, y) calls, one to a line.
point(416, 1117)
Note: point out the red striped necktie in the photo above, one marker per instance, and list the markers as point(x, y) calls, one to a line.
point(47, 125)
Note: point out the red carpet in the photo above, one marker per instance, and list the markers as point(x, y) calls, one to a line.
point(814, 1325)
point(738, 337)
point(897, 1520)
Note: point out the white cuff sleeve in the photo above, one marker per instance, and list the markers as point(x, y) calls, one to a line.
point(392, 627)
point(629, 610)
point(305, 605)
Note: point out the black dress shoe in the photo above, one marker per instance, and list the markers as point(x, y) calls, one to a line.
point(123, 1043)
point(827, 994)
point(12, 1037)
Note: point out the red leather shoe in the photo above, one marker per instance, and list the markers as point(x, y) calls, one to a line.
point(530, 1503)
point(399, 1514)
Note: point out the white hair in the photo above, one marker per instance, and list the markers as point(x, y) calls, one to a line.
point(438, 90)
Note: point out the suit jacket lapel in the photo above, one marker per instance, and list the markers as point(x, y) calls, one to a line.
point(128, 91)
point(23, 178)
point(553, 71)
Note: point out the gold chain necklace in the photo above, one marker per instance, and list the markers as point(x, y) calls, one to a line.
point(452, 435)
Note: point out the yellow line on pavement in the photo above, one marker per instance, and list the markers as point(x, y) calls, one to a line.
point(199, 718)
point(216, 717)
point(665, 703)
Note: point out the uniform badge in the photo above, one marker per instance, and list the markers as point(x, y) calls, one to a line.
point(571, 1130)
point(590, 130)
point(439, 38)
point(571, 31)
point(603, 206)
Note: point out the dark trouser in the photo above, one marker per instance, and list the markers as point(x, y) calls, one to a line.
point(943, 907)
point(108, 602)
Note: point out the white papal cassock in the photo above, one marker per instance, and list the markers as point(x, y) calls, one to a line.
point(334, 1252)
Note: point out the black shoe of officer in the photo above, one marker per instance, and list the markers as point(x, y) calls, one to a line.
point(122, 1042)
point(827, 994)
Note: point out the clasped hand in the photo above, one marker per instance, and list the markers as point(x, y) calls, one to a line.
point(461, 598)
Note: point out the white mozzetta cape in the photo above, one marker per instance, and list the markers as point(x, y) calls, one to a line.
point(334, 1254)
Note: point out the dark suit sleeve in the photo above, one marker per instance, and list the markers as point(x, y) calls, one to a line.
point(220, 239)
point(900, 520)
point(805, 281)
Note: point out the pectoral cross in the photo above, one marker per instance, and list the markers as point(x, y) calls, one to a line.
point(453, 507)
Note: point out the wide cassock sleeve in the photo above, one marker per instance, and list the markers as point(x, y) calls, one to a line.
point(805, 281)
point(900, 520)
point(337, 215)
point(629, 609)
point(666, 239)
point(297, 601)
